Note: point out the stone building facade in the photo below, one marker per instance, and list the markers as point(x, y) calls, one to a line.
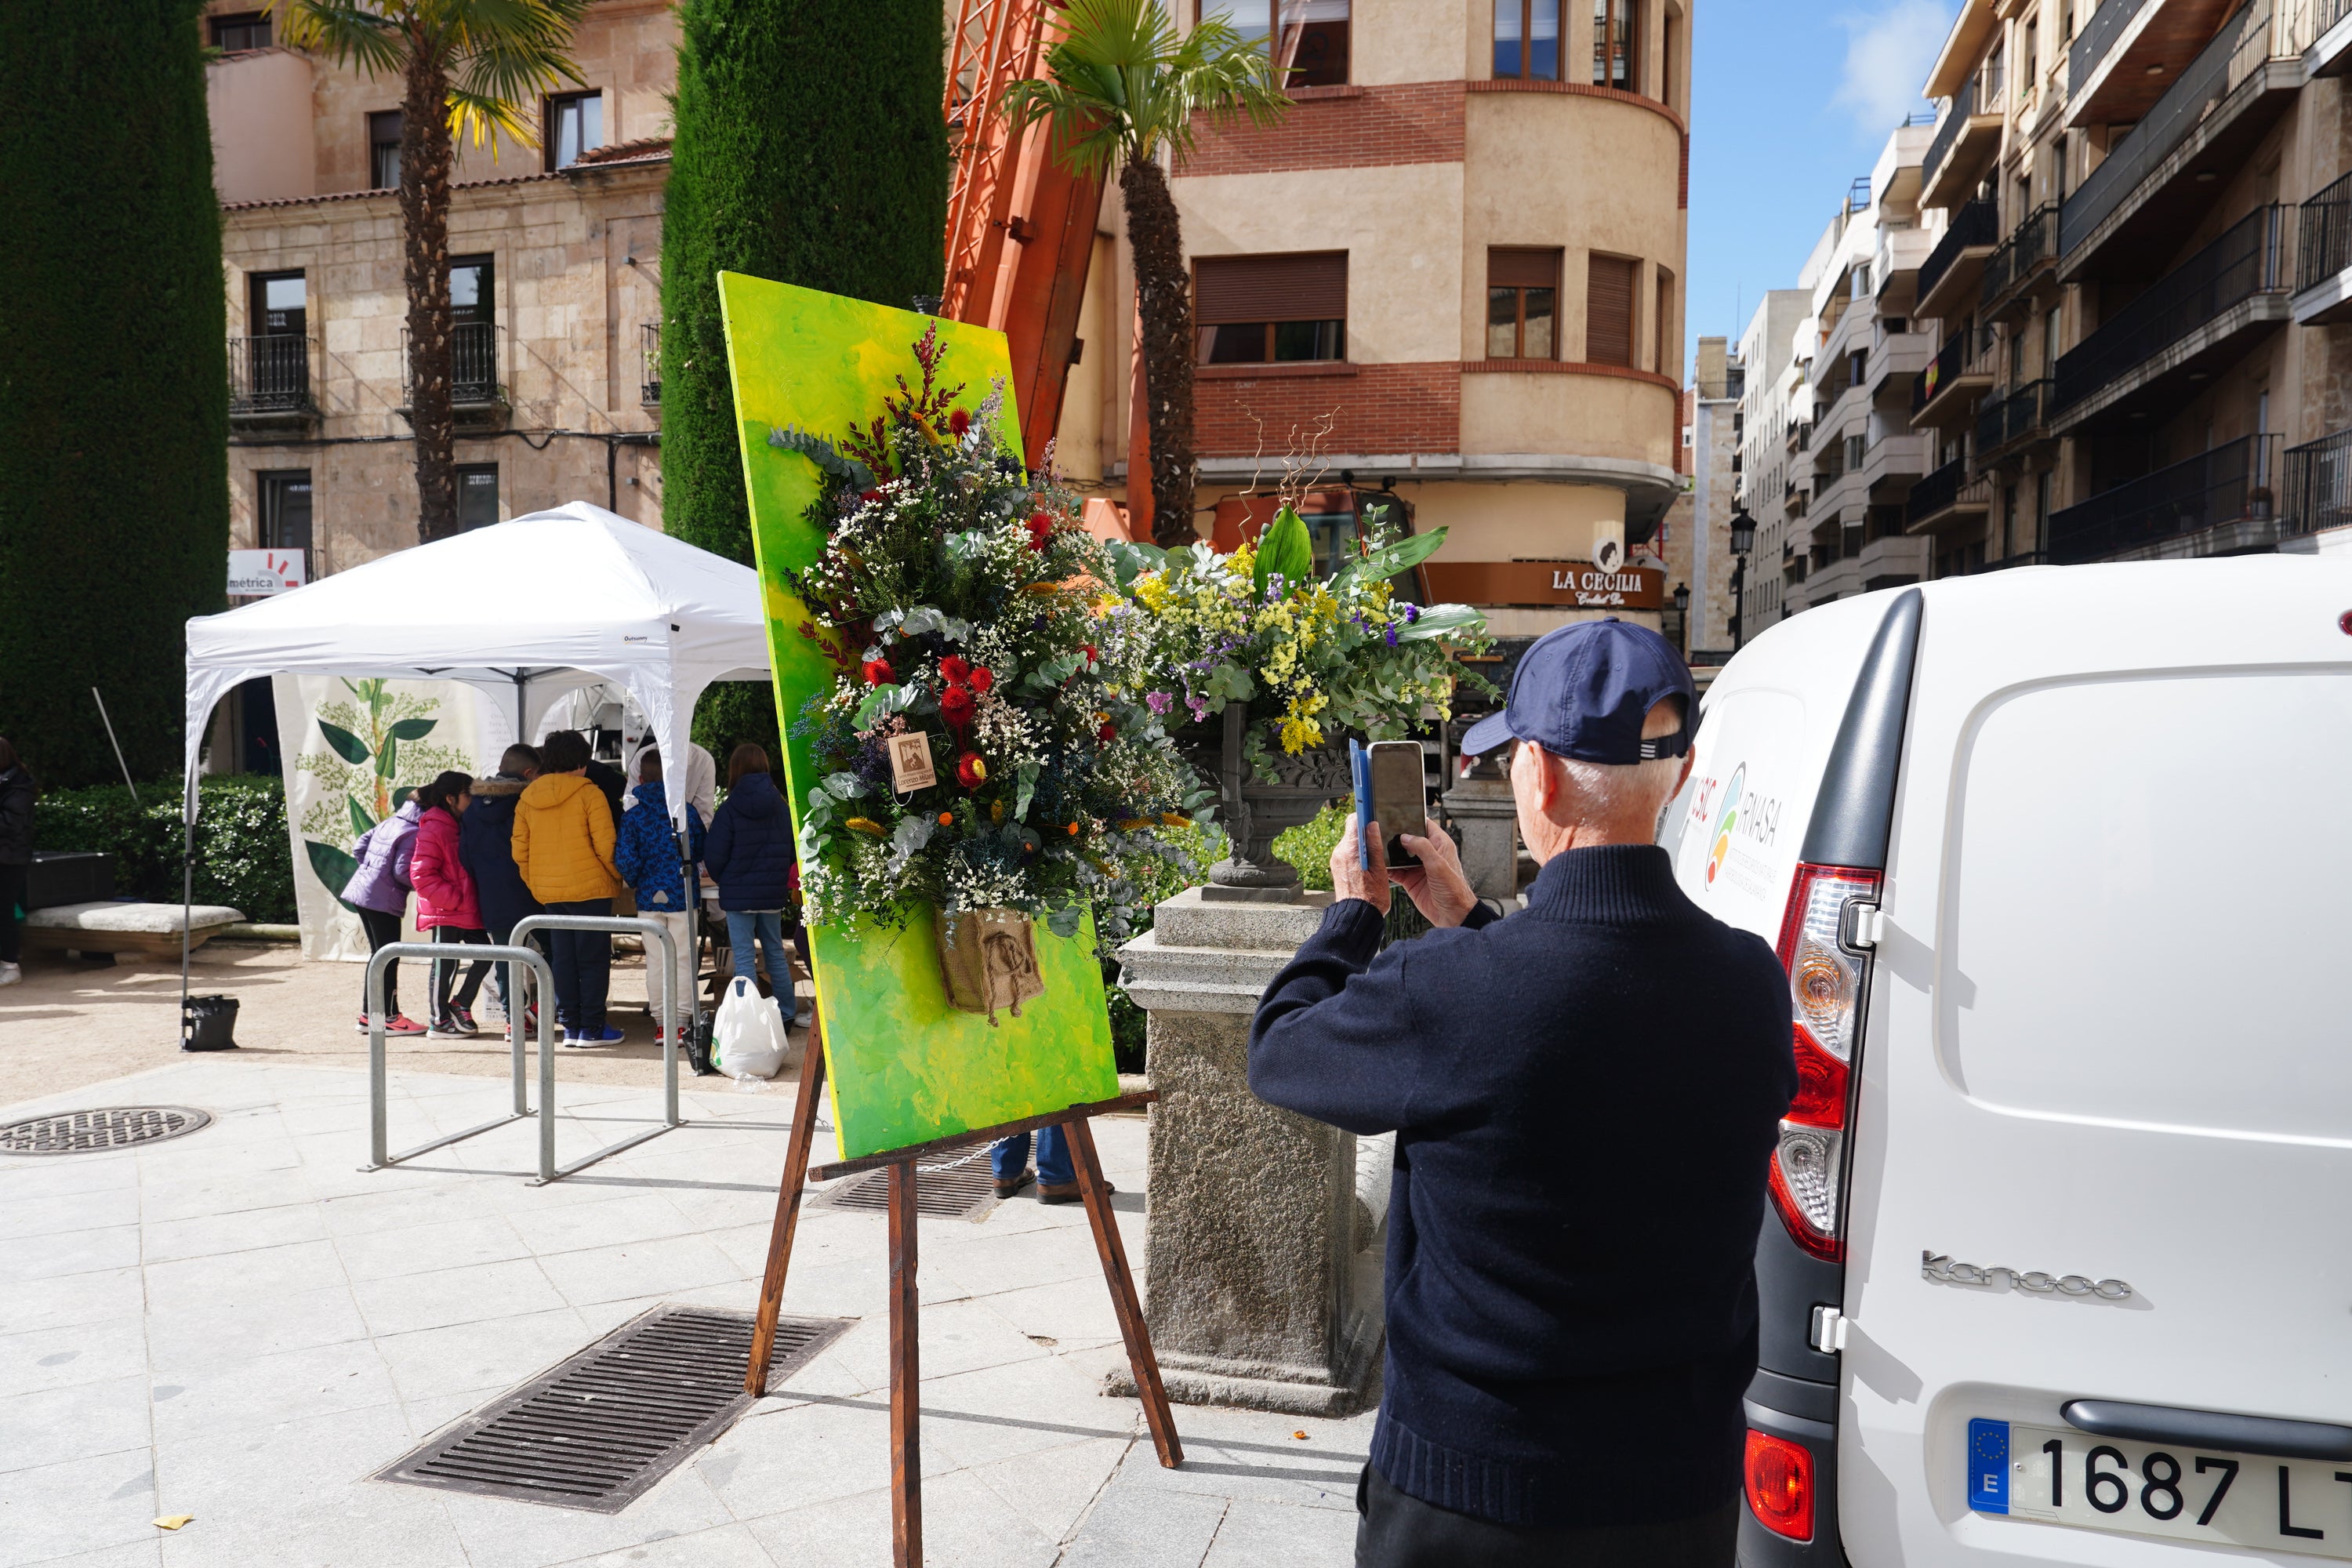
point(555, 270)
point(1452, 274)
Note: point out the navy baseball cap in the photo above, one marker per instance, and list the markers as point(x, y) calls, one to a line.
point(1583, 691)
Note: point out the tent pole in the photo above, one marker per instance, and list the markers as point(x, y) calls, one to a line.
point(522, 685)
point(187, 904)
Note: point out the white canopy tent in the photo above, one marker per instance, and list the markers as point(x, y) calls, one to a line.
point(524, 612)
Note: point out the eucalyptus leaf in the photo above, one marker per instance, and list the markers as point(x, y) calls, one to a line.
point(846, 786)
point(1028, 787)
point(913, 833)
point(1064, 923)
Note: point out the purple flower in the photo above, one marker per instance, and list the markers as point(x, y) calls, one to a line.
point(1412, 614)
point(1391, 633)
point(1199, 705)
point(1158, 701)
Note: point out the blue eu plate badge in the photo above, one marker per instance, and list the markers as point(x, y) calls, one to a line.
point(1989, 1466)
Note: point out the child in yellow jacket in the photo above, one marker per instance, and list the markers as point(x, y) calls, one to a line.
point(563, 847)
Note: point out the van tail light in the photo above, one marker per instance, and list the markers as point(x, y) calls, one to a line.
point(1780, 1480)
point(1825, 993)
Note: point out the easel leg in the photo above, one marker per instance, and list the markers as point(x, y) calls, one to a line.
point(1113, 1253)
point(906, 1377)
point(788, 1209)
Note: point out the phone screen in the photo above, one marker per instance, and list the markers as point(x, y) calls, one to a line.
point(1400, 804)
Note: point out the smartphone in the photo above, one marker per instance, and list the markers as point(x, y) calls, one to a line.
point(1400, 799)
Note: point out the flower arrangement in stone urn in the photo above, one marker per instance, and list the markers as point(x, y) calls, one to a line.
point(978, 752)
point(1295, 663)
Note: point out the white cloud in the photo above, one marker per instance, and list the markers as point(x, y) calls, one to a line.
point(1888, 53)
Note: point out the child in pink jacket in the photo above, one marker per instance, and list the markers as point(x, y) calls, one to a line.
point(447, 904)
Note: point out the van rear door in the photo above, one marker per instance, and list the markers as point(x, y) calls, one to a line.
point(2101, 1147)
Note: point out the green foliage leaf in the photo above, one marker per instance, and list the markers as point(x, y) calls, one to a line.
point(387, 762)
point(845, 787)
point(821, 452)
point(360, 821)
point(334, 868)
point(883, 701)
point(1285, 549)
point(1028, 788)
point(1064, 923)
point(346, 745)
point(1439, 619)
point(1129, 562)
point(1402, 555)
point(411, 729)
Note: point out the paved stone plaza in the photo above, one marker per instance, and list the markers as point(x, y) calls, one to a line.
point(241, 1325)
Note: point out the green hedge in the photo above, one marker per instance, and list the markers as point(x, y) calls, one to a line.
point(243, 858)
point(114, 382)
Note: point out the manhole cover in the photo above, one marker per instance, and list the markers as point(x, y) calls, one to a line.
point(961, 1189)
point(600, 1429)
point(93, 1131)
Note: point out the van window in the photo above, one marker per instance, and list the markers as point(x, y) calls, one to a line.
point(2145, 904)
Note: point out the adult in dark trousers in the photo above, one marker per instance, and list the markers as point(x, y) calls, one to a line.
point(18, 790)
point(485, 848)
point(563, 836)
point(1585, 1095)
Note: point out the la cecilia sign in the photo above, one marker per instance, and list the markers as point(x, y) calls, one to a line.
point(1573, 584)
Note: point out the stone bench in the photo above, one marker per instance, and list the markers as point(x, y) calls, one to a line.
point(152, 930)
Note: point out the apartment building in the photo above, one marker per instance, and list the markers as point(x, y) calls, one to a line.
point(1703, 556)
point(555, 258)
point(1452, 274)
point(1775, 399)
point(2146, 254)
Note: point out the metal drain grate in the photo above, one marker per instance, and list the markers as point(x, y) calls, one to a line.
point(94, 1131)
point(600, 1429)
point(961, 1189)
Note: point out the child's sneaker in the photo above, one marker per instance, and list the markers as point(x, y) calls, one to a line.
point(10, 974)
point(446, 1027)
point(607, 1036)
point(403, 1025)
point(465, 1020)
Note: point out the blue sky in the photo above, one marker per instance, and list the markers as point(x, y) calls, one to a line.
point(1792, 100)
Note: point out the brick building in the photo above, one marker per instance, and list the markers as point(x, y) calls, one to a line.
point(1451, 272)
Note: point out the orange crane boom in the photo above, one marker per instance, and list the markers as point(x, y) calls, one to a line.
point(1020, 228)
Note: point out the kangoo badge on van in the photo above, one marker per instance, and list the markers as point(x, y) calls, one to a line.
point(2054, 1268)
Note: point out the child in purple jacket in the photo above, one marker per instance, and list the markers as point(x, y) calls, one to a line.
point(378, 892)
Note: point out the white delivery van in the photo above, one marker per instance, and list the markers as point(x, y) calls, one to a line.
point(2058, 1265)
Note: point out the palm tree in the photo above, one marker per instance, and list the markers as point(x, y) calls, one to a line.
point(1122, 87)
point(470, 66)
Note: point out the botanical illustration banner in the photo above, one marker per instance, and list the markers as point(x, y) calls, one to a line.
point(903, 1066)
point(361, 748)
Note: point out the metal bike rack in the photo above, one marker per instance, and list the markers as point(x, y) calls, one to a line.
point(512, 956)
point(548, 1171)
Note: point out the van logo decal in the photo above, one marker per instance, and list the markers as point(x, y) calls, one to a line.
point(1943, 1271)
point(1725, 821)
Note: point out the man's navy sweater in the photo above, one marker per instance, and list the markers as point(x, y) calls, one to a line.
point(1585, 1096)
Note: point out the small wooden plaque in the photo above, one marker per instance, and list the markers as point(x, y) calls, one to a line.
point(910, 763)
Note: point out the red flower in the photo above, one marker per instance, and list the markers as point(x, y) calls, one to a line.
point(959, 422)
point(1107, 733)
point(879, 672)
point(1091, 655)
point(956, 705)
point(869, 495)
point(982, 677)
point(971, 771)
point(1041, 530)
point(955, 669)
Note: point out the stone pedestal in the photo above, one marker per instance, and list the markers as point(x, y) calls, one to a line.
point(1262, 1270)
point(1481, 806)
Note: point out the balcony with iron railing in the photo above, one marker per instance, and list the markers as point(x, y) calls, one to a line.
point(478, 391)
point(2330, 50)
point(2154, 183)
point(650, 389)
point(270, 379)
point(1953, 268)
point(1946, 496)
point(2217, 502)
point(1961, 368)
point(2195, 320)
point(1964, 139)
point(2008, 420)
point(2323, 256)
point(2318, 494)
point(2029, 253)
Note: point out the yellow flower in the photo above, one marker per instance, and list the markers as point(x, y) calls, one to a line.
point(866, 825)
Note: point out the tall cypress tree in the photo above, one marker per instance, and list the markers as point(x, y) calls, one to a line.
point(113, 380)
point(810, 149)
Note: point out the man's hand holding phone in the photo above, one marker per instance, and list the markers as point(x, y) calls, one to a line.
point(1437, 887)
point(1350, 878)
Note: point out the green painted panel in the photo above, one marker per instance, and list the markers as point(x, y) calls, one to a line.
point(902, 1064)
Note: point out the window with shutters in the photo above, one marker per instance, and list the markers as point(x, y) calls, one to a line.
point(1261, 310)
point(1307, 39)
point(1609, 310)
point(1522, 303)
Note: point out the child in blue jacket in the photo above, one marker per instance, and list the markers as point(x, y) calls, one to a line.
point(644, 851)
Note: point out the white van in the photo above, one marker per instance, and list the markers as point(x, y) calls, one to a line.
point(2058, 1266)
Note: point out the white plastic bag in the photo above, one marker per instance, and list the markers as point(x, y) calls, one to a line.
point(749, 1039)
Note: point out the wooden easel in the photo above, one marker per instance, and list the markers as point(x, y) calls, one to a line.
point(905, 1465)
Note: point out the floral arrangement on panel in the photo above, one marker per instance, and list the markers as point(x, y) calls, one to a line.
point(962, 602)
point(1315, 658)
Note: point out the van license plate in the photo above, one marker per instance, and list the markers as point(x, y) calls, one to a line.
point(2060, 1476)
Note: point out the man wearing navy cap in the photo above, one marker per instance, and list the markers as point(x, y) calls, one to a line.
point(1585, 1096)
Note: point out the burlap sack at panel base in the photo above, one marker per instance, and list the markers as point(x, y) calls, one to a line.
point(988, 959)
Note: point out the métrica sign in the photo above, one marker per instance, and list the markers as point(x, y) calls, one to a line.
point(1576, 584)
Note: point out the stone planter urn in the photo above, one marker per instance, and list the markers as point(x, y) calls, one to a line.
point(1255, 812)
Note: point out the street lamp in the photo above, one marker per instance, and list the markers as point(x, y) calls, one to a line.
point(1743, 540)
point(1743, 533)
point(1682, 616)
